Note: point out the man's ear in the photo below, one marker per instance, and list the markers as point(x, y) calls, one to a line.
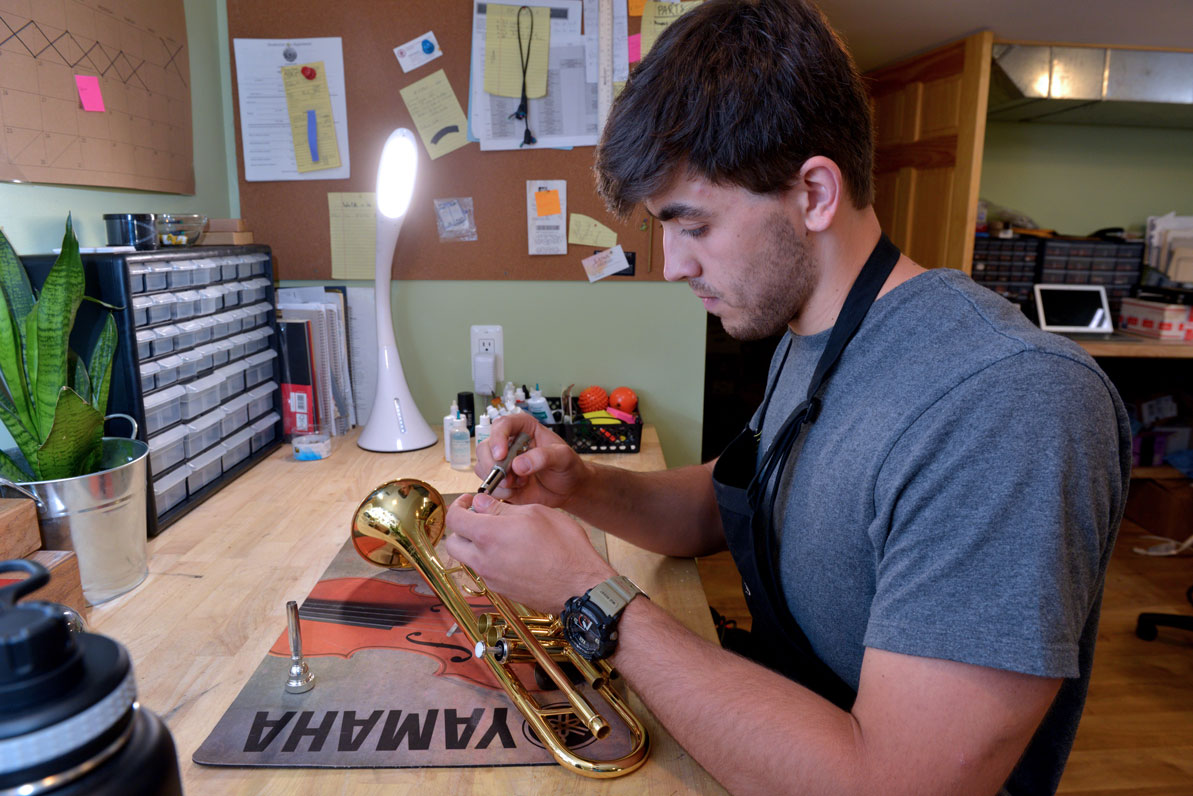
point(823, 189)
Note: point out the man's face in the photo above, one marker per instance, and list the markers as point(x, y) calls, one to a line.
point(738, 251)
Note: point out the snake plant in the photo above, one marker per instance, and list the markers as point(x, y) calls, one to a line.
point(51, 401)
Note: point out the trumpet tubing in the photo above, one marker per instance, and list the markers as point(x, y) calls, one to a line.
point(398, 526)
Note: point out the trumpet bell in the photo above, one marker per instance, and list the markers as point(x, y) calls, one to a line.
point(378, 533)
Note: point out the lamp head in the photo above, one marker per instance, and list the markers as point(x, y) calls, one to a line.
point(395, 174)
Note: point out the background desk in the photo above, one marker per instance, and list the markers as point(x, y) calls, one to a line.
point(215, 600)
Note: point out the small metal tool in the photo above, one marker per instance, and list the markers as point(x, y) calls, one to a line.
point(497, 474)
point(300, 679)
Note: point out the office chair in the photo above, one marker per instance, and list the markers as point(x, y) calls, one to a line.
point(1147, 623)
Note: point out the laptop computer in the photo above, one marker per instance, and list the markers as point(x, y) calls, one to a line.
point(1081, 312)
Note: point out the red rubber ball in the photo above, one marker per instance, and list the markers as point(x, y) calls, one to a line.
point(623, 398)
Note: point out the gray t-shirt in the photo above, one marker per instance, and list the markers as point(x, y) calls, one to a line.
point(957, 497)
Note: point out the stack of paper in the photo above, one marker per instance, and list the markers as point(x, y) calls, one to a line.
point(1170, 247)
point(333, 384)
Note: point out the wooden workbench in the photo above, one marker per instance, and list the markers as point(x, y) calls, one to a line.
point(215, 598)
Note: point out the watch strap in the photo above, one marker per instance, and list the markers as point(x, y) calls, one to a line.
point(614, 594)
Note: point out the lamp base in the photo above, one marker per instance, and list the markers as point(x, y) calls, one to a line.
point(384, 432)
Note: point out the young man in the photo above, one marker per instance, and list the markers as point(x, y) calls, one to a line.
point(924, 505)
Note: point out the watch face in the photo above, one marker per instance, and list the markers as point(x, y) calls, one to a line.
point(587, 629)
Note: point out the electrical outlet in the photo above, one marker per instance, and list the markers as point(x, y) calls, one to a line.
point(487, 341)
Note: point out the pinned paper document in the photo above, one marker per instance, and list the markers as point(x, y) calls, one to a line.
point(417, 52)
point(515, 35)
point(545, 233)
point(546, 203)
point(606, 263)
point(587, 231)
point(437, 114)
point(656, 17)
point(311, 124)
point(353, 219)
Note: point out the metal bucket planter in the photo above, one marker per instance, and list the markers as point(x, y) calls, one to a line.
point(101, 516)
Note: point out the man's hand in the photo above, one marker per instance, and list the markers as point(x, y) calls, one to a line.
point(531, 554)
point(550, 472)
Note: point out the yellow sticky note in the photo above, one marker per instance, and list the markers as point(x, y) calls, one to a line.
point(437, 114)
point(311, 126)
point(353, 218)
point(657, 16)
point(546, 203)
point(587, 231)
point(504, 56)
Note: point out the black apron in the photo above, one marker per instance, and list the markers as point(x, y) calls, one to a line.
point(746, 489)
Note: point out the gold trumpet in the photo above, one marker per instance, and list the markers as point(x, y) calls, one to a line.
point(397, 526)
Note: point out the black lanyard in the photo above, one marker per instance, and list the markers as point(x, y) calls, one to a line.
point(764, 486)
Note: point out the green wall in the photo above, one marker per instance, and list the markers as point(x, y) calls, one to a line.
point(647, 336)
point(1076, 179)
point(33, 215)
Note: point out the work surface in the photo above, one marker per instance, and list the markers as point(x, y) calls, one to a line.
point(215, 600)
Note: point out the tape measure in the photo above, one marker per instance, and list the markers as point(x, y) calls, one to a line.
point(604, 62)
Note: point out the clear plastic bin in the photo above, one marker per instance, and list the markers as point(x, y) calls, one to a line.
point(222, 349)
point(260, 367)
point(136, 278)
point(236, 414)
point(169, 370)
point(170, 489)
point(265, 430)
point(182, 273)
point(244, 266)
point(240, 346)
point(258, 339)
point(203, 432)
point(227, 268)
point(186, 304)
point(167, 449)
point(188, 335)
point(231, 378)
point(257, 313)
point(211, 299)
point(237, 448)
point(224, 324)
point(157, 277)
point(149, 376)
point(205, 272)
point(194, 363)
point(163, 408)
point(202, 395)
point(205, 468)
point(261, 399)
point(161, 309)
point(145, 338)
point(231, 293)
point(141, 305)
point(258, 264)
point(164, 339)
point(204, 329)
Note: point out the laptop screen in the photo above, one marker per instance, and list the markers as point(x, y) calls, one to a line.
point(1073, 308)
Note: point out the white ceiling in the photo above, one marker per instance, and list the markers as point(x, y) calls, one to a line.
point(879, 32)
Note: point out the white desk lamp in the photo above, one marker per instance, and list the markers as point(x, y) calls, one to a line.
point(395, 424)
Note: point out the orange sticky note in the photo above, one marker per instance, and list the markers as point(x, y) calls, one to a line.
point(89, 93)
point(635, 7)
point(547, 203)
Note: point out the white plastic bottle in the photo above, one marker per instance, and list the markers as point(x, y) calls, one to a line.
point(484, 427)
point(461, 444)
point(537, 406)
point(448, 419)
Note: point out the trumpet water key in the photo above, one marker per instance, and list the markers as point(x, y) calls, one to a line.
point(397, 526)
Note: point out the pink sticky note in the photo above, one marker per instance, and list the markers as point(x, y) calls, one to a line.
point(635, 44)
point(89, 93)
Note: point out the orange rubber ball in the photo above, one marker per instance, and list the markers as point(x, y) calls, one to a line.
point(593, 399)
point(623, 398)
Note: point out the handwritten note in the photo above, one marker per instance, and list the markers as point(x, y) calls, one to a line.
point(504, 56)
point(306, 91)
point(606, 263)
point(437, 114)
point(546, 203)
point(587, 231)
point(89, 93)
point(353, 218)
point(656, 17)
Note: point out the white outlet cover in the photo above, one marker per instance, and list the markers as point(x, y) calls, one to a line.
point(483, 337)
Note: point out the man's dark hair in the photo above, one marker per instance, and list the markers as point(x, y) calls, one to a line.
point(739, 92)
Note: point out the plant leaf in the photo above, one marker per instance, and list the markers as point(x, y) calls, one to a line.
point(55, 314)
point(17, 301)
point(79, 381)
point(14, 282)
point(100, 365)
point(12, 471)
point(21, 434)
point(74, 434)
point(30, 334)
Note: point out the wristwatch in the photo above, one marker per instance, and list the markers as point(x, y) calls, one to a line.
point(590, 621)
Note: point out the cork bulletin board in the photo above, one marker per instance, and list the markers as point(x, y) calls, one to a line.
point(292, 216)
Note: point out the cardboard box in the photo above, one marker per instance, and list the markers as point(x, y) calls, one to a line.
point(1163, 506)
point(226, 225)
point(227, 238)
point(1156, 319)
point(19, 533)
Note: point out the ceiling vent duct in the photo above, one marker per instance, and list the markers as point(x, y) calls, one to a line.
point(1091, 85)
